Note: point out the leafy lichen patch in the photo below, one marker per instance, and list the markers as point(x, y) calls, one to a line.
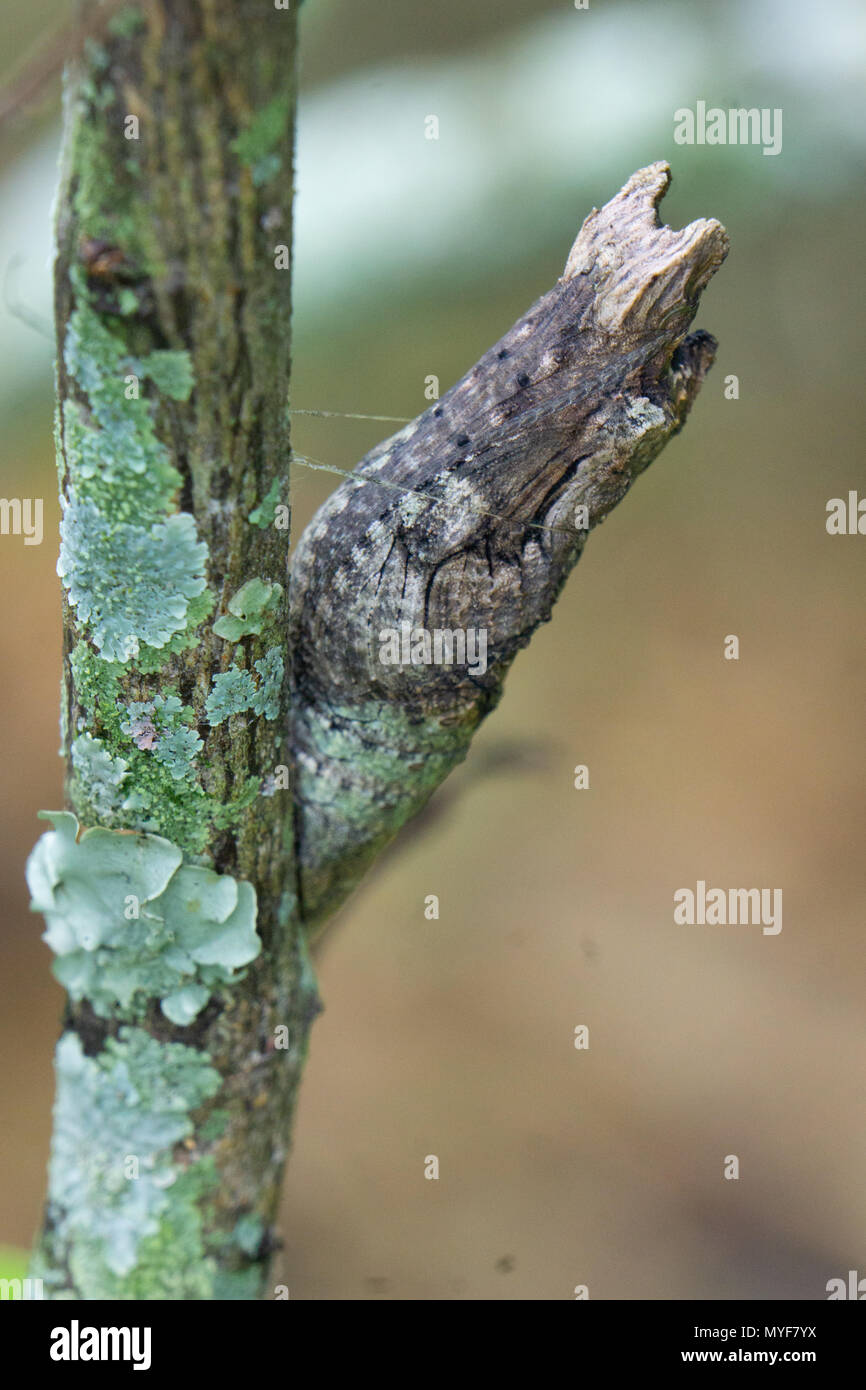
point(129, 585)
point(129, 922)
point(156, 741)
point(265, 513)
point(235, 691)
point(115, 1191)
point(249, 609)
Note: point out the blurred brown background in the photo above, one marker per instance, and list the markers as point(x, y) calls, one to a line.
point(455, 1037)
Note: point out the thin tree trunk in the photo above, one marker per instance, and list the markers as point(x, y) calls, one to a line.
point(180, 1056)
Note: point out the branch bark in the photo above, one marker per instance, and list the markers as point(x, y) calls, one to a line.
point(190, 992)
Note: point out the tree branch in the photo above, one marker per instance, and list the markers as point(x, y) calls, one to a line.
point(471, 518)
point(190, 992)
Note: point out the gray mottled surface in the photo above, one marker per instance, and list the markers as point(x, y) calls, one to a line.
point(468, 518)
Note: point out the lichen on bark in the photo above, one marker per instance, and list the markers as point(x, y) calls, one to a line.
point(173, 358)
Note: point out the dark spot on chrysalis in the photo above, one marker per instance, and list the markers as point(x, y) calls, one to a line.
point(438, 411)
point(523, 379)
point(462, 440)
point(502, 353)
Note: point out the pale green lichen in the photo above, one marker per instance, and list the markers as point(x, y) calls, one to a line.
point(131, 569)
point(256, 146)
point(249, 610)
point(163, 792)
point(272, 672)
point(178, 751)
point(129, 922)
point(127, 22)
point(97, 776)
point(129, 585)
point(264, 515)
point(171, 1265)
point(116, 458)
point(116, 1195)
point(170, 370)
point(238, 1286)
point(163, 726)
point(248, 1232)
point(151, 659)
point(127, 301)
point(103, 199)
point(234, 691)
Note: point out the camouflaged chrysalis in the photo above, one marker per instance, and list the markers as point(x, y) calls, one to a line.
point(468, 521)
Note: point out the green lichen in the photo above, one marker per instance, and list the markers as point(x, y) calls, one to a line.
point(238, 1286)
point(171, 1264)
point(113, 454)
point(127, 301)
point(126, 23)
point(151, 659)
point(249, 610)
point(103, 199)
point(248, 1232)
point(163, 792)
point(129, 922)
point(97, 777)
point(163, 726)
point(256, 146)
point(117, 1198)
point(96, 682)
point(170, 371)
point(233, 692)
point(177, 751)
point(159, 804)
point(129, 585)
point(264, 515)
point(117, 468)
point(131, 568)
point(272, 671)
point(224, 817)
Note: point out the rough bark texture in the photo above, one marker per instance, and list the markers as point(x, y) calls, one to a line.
point(172, 314)
point(470, 518)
